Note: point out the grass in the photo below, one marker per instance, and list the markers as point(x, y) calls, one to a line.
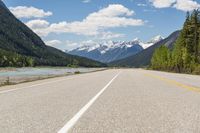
point(7, 82)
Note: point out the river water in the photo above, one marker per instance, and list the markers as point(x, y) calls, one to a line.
point(42, 71)
point(17, 75)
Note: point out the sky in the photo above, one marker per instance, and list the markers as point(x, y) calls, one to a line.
point(67, 24)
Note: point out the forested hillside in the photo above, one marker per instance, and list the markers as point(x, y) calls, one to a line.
point(185, 56)
point(20, 46)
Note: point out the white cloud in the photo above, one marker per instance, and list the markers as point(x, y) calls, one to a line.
point(87, 43)
point(162, 3)
point(69, 45)
point(141, 4)
point(183, 5)
point(95, 24)
point(29, 12)
point(86, 1)
point(53, 42)
point(64, 45)
point(186, 5)
point(39, 26)
point(109, 35)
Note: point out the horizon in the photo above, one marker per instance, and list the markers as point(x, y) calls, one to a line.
point(96, 21)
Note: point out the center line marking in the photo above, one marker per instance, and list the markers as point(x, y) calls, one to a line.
point(78, 115)
point(191, 88)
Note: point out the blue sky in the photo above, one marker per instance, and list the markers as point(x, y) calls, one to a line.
point(67, 24)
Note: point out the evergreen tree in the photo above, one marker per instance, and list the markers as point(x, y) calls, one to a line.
point(161, 58)
point(185, 56)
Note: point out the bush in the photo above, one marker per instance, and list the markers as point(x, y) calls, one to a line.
point(77, 72)
point(197, 70)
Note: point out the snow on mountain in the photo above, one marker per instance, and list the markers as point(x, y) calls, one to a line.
point(106, 46)
point(113, 50)
point(108, 51)
point(157, 38)
point(152, 41)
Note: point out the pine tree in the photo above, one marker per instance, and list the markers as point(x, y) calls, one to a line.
point(185, 56)
point(161, 58)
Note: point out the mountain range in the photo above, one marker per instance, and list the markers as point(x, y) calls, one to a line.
point(19, 44)
point(113, 50)
point(143, 58)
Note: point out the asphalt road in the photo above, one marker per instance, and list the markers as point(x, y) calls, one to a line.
point(111, 101)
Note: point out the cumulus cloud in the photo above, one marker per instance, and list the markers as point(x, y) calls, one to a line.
point(162, 3)
point(53, 42)
point(41, 27)
point(95, 24)
point(186, 5)
point(183, 5)
point(109, 35)
point(37, 24)
point(29, 12)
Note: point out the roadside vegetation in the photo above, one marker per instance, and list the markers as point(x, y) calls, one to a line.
point(14, 60)
point(185, 56)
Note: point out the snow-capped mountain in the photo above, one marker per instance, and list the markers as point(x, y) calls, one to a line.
point(108, 51)
point(112, 50)
point(152, 41)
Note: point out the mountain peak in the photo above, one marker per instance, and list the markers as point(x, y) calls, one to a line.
point(156, 39)
point(143, 58)
point(153, 41)
point(136, 40)
point(108, 51)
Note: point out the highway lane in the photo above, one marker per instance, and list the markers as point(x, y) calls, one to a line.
point(137, 103)
point(132, 100)
point(46, 107)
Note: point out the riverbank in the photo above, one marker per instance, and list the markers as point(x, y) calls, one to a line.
point(11, 76)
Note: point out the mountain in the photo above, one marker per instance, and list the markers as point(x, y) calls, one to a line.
point(143, 58)
point(153, 41)
point(111, 51)
point(20, 46)
point(108, 51)
point(185, 54)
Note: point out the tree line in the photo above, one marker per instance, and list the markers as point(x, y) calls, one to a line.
point(185, 56)
point(14, 60)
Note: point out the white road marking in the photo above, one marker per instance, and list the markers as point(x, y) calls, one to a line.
point(5, 91)
point(78, 115)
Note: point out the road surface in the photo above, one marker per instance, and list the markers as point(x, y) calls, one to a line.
point(110, 101)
